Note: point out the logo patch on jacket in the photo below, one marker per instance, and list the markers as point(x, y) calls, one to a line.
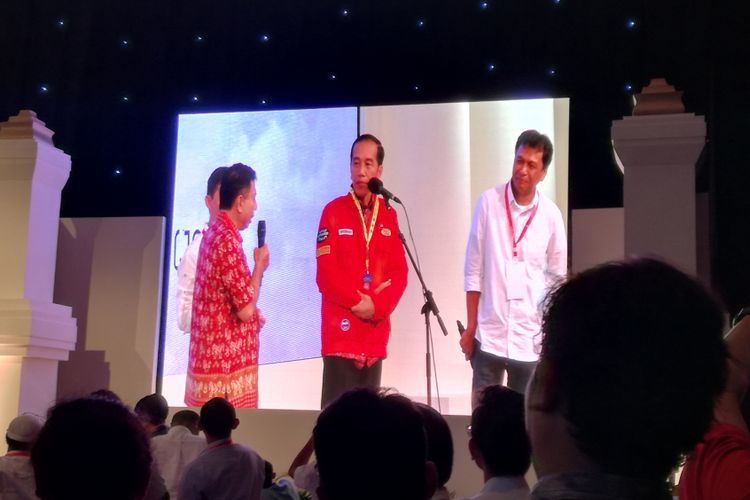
point(324, 250)
point(322, 235)
point(345, 231)
point(345, 325)
point(385, 231)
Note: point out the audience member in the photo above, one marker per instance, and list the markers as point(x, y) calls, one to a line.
point(281, 489)
point(176, 449)
point(16, 472)
point(719, 465)
point(632, 361)
point(224, 470)
point(304, 472)
point(372, 445)
point(499, 444)
point(439, 447)
point(189, 261)
point(152, 410)
point(91, 448)
point(106, 394)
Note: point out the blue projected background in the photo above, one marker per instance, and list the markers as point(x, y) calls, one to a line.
point(301, 158)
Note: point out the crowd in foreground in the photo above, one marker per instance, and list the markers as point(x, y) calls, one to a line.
point(634, 377)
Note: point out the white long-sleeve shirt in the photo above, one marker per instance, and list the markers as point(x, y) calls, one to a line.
point(173, 452)
point(509, 320)
point(186, 283)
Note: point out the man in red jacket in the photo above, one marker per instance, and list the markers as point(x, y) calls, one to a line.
point(361, 275)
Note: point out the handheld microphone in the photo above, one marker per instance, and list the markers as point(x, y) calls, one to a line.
point(461, 328)
point(261, 233)
point(375, 186)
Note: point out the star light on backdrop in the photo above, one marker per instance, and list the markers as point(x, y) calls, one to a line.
point(436, 66)
point(199, 39)
point(171, 58)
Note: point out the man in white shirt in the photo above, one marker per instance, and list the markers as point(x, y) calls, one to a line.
point(16, 473)
point(517, 249)
point(176, 449)
point(186, 271)
point(499, 444)
point(224, 470)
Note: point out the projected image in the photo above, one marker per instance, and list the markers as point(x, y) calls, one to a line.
point(301, 160)
point(439, 158)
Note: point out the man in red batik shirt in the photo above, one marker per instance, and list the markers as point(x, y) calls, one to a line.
point(225, 322)
point(361, 275)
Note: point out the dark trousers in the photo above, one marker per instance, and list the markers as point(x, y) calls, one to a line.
point(489, 369)
point(341, 374)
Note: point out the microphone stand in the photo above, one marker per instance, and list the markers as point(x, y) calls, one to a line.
point(429, 307)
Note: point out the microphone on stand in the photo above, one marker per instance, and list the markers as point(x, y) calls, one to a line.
point(375, 186)
point(261, 233)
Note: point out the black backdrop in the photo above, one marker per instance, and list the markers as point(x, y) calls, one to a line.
point(109, 77)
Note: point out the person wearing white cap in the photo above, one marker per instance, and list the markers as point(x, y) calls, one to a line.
point(16, 473)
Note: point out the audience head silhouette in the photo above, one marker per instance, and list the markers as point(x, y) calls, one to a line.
point(22, 432)
point(153, 410)
point(632, 360)
point(439, 442)
point(91, 448)
point(218, 419)
point(187, 418)
point(371, 445)
point(499, 443)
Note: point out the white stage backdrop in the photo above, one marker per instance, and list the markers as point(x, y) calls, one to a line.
point(439, 158)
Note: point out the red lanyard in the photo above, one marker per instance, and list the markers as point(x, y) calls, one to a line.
point(513, 239)
point(17, 453)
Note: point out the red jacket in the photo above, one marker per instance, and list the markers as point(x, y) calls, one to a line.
point(341, 269)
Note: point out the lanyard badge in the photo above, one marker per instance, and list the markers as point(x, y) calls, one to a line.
point(514, 242)
point(368, 232)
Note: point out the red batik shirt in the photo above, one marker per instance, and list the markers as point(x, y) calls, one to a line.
point(223, 349)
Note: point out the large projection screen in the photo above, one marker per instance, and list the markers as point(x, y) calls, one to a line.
point(439, 158)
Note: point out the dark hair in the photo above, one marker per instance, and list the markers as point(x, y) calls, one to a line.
point(536, 140)
point(217, 418)
point(637, 353)
point(371, 138)
point(106, 394)
point(236, 181)
point(498, 429)
point(91, 448)
point(187, 418)
point(152, 408)
point(14, 445)
point(385, 434)
point(214, 180)
point(268, 480)
point(439, 442)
